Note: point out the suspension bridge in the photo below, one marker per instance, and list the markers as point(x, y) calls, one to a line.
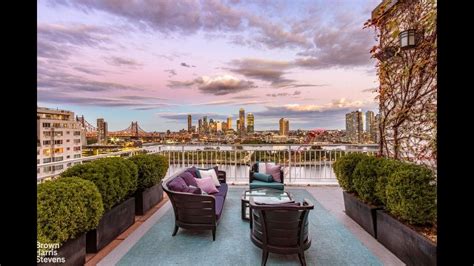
point(132, 131)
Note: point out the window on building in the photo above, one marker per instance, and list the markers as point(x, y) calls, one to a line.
point(38, 161)
point(46, 160)
point(58, 141)
point(65, 125)
point(47, 152)
point(46, 142)
point(47, 133)
point(47, 169)
point(58, 133)
point(58, 167)
point(68, 132)
point(38, 170)
point(68, 148)
point(46, 124)
point(57, 125)
point(77, 148)
point(58, 159)
point(67, 157)
point(67, 140)
point(58, 150)
point(77, 133)
point(77, 141)
point(69, 164)
point(77, 156)
point(37, 152)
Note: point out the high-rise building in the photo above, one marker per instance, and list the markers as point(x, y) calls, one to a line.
point(284, 127)
point(242, 120)
point(200, 129)
point(229, 123)
point(250, 123)
point(205, 125)
point(59, 138)
point(237, 125)
point(102, 133)
point(370, 125)
point(218, 126)
point(354, 126)
point(190, 123)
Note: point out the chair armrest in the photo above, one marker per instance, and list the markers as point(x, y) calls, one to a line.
point(222, 176)
point(282, 176)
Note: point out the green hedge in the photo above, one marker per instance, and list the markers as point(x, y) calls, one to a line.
point(411, 194)
point(386, 168)
point(66, 208)
point(365, 177)
point(344, 167)
point(151, 169)
point(115, 177)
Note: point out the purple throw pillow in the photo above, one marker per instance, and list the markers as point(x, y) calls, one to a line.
point(178, 184)
point(192, 171)
point(189, 179)
point(274, 171)
point(194, 190)
point(207, 185)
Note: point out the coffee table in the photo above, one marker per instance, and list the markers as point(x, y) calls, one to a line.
point(266, 195)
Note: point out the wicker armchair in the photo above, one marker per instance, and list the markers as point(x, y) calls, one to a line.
point(281, 228)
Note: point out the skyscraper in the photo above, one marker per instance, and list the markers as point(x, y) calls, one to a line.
point(370, 125)
point(205, 125)
point(242, 120)
point(101, 131)
point(229, 122)
point(250, 123)
point(354, 126)
point(237, 125)
point(200, 129)
point(190, 123)
point(284, 127)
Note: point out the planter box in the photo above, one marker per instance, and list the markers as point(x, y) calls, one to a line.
point(361, 213)
point(407, 244)
point(112, 224)
point(73, 251)
point(145, 200)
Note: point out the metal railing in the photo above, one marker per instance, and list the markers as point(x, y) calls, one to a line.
point(302, 164)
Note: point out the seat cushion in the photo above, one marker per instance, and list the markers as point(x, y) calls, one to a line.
point(261, 184)
point(219, 205)
point(222, 190)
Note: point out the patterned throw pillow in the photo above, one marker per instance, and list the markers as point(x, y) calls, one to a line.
point(206, 184)
point(262, 167)
point(274, 171)
point(211, 173)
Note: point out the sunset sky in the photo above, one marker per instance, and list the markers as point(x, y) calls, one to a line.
point(155, 62)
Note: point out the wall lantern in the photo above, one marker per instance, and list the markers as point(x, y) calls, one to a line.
point(407, 39)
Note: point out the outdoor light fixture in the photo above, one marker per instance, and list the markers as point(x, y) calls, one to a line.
point(407, 39)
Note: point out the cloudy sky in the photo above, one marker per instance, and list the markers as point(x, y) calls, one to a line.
point(156, 61)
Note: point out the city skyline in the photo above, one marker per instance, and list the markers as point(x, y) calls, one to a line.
point(275, 60)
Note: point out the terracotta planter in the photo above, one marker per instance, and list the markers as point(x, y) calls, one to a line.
point(73, 251)
point(407, 244)
point(145, 200)
point(112, 224)
point(361, 213)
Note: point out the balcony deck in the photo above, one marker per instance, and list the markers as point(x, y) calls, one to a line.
point(140, 243)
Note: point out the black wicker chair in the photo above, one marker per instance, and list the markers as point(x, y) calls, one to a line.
point(280, 228)
point(195, 211)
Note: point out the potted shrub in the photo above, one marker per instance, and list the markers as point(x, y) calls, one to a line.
point(358, 210)
point(151, 170)
point(410, 218)
point(362, 204)
point(66, 209)
point(116, 179)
